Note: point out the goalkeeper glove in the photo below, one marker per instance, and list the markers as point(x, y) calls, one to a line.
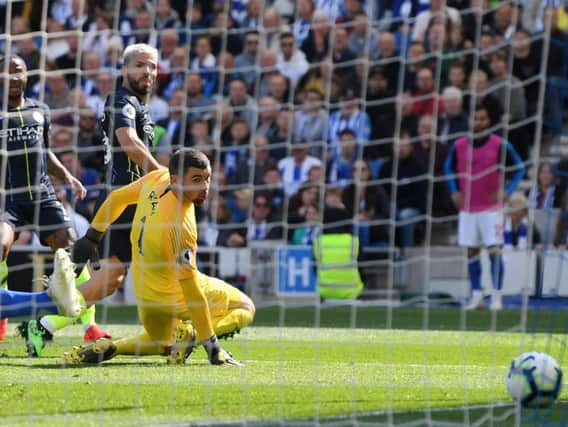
point(86, 248)
point(218, 356)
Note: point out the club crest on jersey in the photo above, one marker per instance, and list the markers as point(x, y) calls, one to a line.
point(186, 256)
point(38, 117)
point(129, 111)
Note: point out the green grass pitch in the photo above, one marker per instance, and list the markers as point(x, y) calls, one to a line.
point(336, 365)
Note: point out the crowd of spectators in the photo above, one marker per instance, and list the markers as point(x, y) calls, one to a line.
point(309, 110)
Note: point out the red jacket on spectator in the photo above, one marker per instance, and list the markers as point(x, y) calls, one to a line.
point(424, 103)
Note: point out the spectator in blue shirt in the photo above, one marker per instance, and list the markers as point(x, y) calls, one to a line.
point(350, 117)
point(205, 63)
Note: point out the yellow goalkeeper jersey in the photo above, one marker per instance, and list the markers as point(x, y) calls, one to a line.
point(163, 236)
point(164, 240)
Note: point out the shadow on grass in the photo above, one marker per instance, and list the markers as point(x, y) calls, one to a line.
point(500, 415)
point(378, 317)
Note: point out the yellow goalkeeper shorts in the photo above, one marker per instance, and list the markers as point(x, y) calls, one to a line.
point(220, 295)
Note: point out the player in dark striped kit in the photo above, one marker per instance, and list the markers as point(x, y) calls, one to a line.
point(30, 201)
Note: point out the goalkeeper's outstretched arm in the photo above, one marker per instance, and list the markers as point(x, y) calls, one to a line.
point(115, 203)
point(86, 248)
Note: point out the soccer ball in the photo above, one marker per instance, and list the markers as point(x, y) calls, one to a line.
point(534, 379)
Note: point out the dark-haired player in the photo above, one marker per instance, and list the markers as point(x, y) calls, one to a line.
point(30, 201)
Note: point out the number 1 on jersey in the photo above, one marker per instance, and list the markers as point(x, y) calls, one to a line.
point(141, 235)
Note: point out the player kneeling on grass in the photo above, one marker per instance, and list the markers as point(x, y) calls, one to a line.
point(167, 285)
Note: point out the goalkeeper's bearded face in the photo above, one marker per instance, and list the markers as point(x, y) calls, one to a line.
point(194, 185)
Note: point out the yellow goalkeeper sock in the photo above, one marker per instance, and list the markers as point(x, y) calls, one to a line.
point(4, 273)
point(55, 322)
point(83, 277)
point(236, 319)
point(140, 345)
point(87, 316)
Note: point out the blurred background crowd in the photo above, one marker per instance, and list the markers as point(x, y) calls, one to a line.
point(315, 113)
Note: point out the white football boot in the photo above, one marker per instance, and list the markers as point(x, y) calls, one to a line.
point(61, 285)
point(476, 301)
point(496, 301)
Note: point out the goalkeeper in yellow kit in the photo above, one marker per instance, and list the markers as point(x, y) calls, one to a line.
point(169, 289)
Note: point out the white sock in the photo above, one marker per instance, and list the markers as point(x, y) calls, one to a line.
point(44, 321)
point(476, 293)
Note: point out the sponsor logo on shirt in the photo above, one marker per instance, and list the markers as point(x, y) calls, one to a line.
point(25, 133)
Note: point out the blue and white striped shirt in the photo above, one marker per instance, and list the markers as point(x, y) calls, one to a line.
point(358, 122)
point(301, 30)
point(293, 175)
point(239, 10)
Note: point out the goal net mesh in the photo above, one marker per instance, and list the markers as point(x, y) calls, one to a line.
point(331, 126)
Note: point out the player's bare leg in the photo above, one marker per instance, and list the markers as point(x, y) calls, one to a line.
point(104, 281)
point(61, 238)
point(6, 238)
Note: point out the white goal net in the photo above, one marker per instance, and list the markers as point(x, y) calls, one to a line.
point(387, 187)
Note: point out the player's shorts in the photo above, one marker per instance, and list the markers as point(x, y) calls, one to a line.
point(44, 217)
point(116, 240)
point(477, 229)
point(220, 295)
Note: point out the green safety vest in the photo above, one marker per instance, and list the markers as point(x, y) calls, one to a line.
point(336, 265)
point(159, 131)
